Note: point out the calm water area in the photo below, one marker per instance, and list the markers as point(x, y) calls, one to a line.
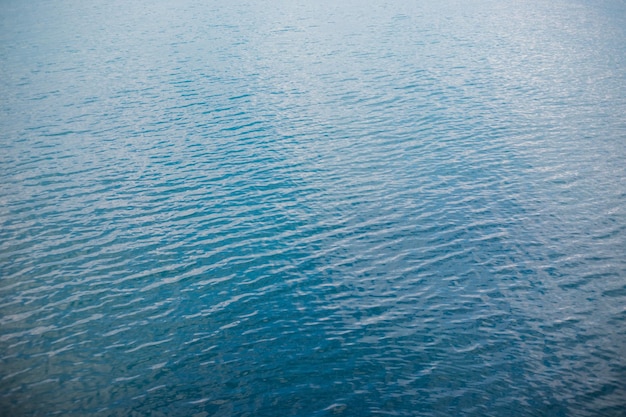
point(312, 208)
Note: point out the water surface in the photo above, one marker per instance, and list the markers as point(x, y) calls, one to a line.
point(306, 208)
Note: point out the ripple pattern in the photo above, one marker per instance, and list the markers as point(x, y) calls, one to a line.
point(312, 208)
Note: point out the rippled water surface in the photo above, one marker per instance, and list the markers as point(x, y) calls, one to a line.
point(313, 208)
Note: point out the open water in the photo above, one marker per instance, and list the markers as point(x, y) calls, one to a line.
point(313, 208)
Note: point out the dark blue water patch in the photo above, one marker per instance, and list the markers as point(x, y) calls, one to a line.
point(312, 209)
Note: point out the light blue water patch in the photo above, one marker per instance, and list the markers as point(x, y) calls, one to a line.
point(311, 209)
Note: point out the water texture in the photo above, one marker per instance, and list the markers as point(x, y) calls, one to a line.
point(313, 208)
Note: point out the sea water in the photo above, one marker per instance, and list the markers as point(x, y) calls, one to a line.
point(313, 208)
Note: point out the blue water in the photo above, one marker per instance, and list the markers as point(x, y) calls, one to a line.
point(313, 208)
